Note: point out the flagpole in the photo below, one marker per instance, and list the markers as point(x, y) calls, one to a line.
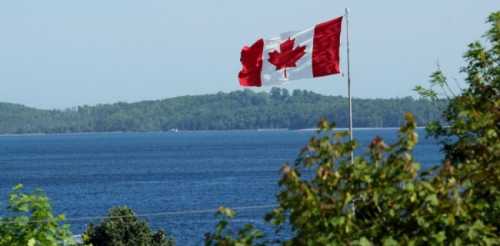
point(349, 80)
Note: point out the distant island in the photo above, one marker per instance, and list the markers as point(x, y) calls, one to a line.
point(242, 109)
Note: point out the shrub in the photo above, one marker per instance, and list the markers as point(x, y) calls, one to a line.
point(381, 198)
point(121, 227)
point(32, 222)
point(225, 236)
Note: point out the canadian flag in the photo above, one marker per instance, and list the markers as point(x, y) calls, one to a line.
point(310, 53)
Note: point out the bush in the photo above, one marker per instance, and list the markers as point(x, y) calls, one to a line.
point(471, 137)
point(32, 222)
point(225, 236)
point(381, 198)
point(121, 227)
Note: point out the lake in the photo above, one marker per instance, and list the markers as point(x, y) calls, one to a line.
point(178, 178)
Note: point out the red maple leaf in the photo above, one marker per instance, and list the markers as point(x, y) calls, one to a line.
point(287, 56)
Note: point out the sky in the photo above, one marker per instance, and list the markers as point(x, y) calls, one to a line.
point(60, 54)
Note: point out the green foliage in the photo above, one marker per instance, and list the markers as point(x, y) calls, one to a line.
point(31, 222)
point(379, 199)
point(471, 135)
point(235, 110)
point(122, 228)
point(225, 236)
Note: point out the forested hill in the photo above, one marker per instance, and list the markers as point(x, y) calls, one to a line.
point(235, 110)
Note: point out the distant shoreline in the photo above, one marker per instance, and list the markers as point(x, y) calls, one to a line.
point(181, 131)
point(262, 111)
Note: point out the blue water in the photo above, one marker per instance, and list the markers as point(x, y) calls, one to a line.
point(86, 174)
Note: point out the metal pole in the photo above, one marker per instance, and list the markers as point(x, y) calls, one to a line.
point(349, 80)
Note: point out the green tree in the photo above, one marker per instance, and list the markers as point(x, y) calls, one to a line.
point(31, 222)
point(470, 138)
point(235, 110)
point(121, 227)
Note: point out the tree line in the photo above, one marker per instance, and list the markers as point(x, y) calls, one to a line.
point(243, 109)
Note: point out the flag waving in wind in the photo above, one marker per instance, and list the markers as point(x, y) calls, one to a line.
point(310, 53)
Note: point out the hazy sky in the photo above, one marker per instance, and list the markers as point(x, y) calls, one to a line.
point(57, 54)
